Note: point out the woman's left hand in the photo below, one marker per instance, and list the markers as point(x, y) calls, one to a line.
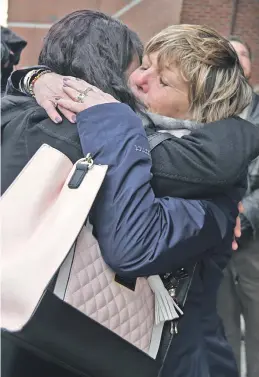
point(83, 95)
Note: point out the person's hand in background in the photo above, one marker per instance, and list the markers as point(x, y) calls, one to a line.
point(237, 230)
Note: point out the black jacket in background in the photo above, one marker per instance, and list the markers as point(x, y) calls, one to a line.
point(250, 217)
point(11, 48)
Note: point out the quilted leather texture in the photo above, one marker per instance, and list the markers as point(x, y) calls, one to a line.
point(92, 290)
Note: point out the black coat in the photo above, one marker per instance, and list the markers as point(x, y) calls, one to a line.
point(250, 216)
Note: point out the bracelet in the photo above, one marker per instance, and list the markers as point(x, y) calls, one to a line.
point(24, 84)
point(34, 79)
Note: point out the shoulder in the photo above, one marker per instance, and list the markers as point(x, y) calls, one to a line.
point(23, 118)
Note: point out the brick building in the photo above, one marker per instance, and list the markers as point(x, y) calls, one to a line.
point(31, 19)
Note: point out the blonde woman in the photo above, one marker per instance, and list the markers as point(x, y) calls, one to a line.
point(140, 234)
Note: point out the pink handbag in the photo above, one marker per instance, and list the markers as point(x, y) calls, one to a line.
point(42, 213)
point(45, 230)
point(42, 225)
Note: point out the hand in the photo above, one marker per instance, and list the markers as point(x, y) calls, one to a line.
point(237, 230)
point(82, 95)
point(47, 89)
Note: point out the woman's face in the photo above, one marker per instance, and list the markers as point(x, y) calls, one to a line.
point(162, 92)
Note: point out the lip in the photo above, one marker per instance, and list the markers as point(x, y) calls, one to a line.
point(138, 93)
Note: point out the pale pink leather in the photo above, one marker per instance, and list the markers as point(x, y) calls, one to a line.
point(92, 290)
point(41, 218)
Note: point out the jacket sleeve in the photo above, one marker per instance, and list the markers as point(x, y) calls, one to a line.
point(13, 82)
point(207, 162)
point(139, 234)
point(251, 200)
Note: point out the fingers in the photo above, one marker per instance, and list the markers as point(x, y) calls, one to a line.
point(49, 107)
point(240, 207)
point(77, 84)
point(67, 114)
point(71, 93)
point(234, 245)
point(70, 105)
point(237, 230)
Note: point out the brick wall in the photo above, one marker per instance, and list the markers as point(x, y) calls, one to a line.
point(218, 14)
point(147, 18)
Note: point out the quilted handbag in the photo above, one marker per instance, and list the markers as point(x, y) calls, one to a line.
point(111, 317)
point(42, 213)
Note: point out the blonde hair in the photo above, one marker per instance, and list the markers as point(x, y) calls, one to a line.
point(218, 88)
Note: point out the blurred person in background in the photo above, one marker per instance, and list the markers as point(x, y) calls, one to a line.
point(11, 48)
point(239, 292)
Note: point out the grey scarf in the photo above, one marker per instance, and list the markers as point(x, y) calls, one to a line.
point(176, 127)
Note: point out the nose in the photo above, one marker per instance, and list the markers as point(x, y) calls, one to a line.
point(142, 81)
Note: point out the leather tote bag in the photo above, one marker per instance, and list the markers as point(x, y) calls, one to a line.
point(44, 215)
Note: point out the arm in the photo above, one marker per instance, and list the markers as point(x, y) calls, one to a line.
point(209, 161)
point(250, 215)
point(47, 89)
point(16, 78)
point(205, 164)
point(138, 233)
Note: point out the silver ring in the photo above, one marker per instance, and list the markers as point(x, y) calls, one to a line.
point(80, 97)
point(87, 90)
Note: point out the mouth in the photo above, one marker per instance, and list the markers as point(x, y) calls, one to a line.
point(138, 92)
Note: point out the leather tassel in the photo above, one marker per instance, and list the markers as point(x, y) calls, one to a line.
point(166, 308)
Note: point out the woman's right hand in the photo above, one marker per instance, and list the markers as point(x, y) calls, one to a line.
point(47, 90)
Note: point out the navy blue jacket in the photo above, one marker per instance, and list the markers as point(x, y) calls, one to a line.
point(142, 235)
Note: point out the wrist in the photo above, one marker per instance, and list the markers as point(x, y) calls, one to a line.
point(27, 84)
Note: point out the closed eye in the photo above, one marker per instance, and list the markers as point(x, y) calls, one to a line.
point(162, 82)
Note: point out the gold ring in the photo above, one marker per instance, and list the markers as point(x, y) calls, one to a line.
point(80, 98)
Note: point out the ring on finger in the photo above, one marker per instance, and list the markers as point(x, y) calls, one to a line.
point(80, 97)
point(87, 90)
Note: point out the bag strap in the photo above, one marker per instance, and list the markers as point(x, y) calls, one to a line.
point(189, 283)
point(157, 138)
point(64, 274)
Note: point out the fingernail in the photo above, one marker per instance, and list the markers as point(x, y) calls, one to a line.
point(73, 118)
point(58, 120)
point(66, 78)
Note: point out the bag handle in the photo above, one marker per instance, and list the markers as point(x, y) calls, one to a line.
point(157, 138)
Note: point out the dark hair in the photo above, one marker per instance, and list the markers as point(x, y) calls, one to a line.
point(94, 47)
point(234, 38)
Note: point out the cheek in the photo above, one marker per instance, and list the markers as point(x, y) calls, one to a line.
point(174, 105)
point(159, 102)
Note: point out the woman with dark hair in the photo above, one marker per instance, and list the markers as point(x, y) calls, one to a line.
point(85, 44)
point(140, 234)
